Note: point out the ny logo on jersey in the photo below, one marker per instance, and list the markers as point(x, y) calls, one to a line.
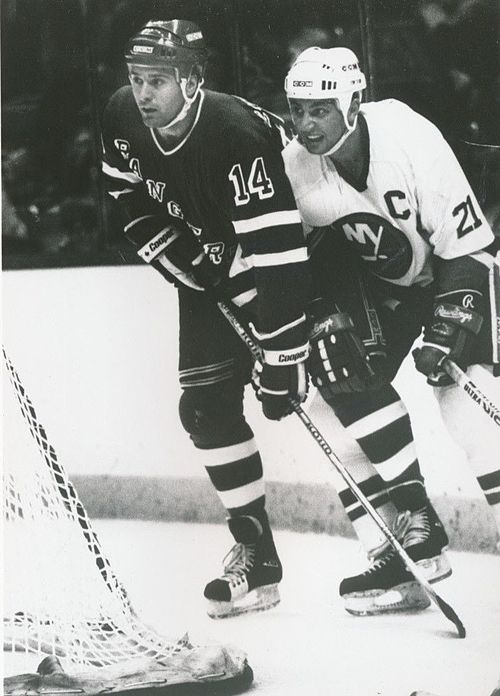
point(214, 251)
point(378, 242)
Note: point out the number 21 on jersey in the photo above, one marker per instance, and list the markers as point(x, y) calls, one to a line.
point(468, 219)
point(257, 182)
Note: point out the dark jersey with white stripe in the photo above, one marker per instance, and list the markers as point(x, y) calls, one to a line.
point(226, 180)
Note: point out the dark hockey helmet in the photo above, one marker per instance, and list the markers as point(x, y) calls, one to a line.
point(177, 43)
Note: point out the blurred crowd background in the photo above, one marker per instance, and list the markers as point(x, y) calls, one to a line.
point(62, 59)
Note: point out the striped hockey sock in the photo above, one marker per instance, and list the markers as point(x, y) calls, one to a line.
point(236, 474)
point(380, 424)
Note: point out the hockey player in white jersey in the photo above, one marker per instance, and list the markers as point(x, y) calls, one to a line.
point(398, 243)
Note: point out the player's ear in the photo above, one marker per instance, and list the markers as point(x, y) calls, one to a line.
point(193, 81)
point(354, 107)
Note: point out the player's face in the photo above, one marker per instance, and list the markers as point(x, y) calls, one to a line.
point(319, 124)
point(156, 93)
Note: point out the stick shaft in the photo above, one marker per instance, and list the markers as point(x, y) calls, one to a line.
point(489, 408)
point(351, 482)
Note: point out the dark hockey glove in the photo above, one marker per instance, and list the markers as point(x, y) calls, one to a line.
point(282, 374)
point(275, 385)
point(451, 333)
point(173, 250)
point(338, 362)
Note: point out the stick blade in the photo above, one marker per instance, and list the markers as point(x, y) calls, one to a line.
point(451, 615)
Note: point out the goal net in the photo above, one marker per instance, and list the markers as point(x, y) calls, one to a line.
point(61, 595)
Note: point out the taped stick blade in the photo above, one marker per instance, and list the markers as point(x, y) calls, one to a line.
point(451, 615)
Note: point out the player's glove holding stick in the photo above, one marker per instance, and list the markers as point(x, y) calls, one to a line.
point(339, 362)
point(171, 247)
point(281, 375)
point(451, 333)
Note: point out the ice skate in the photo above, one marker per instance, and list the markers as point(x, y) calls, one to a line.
point(387, 586)
point(426, 541)
point(252, 571)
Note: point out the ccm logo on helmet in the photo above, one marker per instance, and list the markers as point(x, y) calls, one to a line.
point(194, 36)
point(302, 83)
point(351, 66)
point(142, 49)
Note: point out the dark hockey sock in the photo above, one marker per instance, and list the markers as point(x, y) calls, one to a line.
point(381, 425)
point(219, 431)
point(374, 489)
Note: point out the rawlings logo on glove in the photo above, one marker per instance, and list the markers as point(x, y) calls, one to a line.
point(454, 313)
point(451, 334)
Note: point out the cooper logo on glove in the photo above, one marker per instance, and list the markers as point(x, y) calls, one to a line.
point(293, 357)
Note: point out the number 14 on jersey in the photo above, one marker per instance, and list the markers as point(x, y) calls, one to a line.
point(257, 182)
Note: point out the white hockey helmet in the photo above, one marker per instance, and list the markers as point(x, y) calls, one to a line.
point(326, 73)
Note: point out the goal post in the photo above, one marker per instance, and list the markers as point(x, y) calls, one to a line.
point(61, 596)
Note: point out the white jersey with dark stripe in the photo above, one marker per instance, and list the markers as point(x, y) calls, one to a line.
point(412, 204)
point(227, 181)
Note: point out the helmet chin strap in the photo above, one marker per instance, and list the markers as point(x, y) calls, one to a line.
point(188, 102)
point(339, 143)
point(344, 102)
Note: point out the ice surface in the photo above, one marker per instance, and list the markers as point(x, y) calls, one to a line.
point(309, 644)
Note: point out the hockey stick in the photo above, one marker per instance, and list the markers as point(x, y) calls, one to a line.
point(412, 567)
point(479, 398)
point(458, 375)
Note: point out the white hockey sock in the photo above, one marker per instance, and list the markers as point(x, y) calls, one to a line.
point(475, 433)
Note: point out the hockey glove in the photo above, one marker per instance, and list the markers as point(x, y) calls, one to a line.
point(173, 250)
point(338, 362)
point(451, 333)
point(275, 385)
point(281, 375)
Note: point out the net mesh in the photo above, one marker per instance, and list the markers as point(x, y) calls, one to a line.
point(61, 596)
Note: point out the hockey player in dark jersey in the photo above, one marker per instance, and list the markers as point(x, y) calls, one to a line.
point(200, 179)
point(399, 243)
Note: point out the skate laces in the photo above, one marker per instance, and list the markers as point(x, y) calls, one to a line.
point(419, 528)
point(237, 562)
point(399, 529)
point(380, 562)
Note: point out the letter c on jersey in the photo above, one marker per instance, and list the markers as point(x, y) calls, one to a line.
point(403, 213)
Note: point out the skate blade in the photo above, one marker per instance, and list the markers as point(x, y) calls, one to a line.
point(408, 596)
point(259, 599)
point(435, 569)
